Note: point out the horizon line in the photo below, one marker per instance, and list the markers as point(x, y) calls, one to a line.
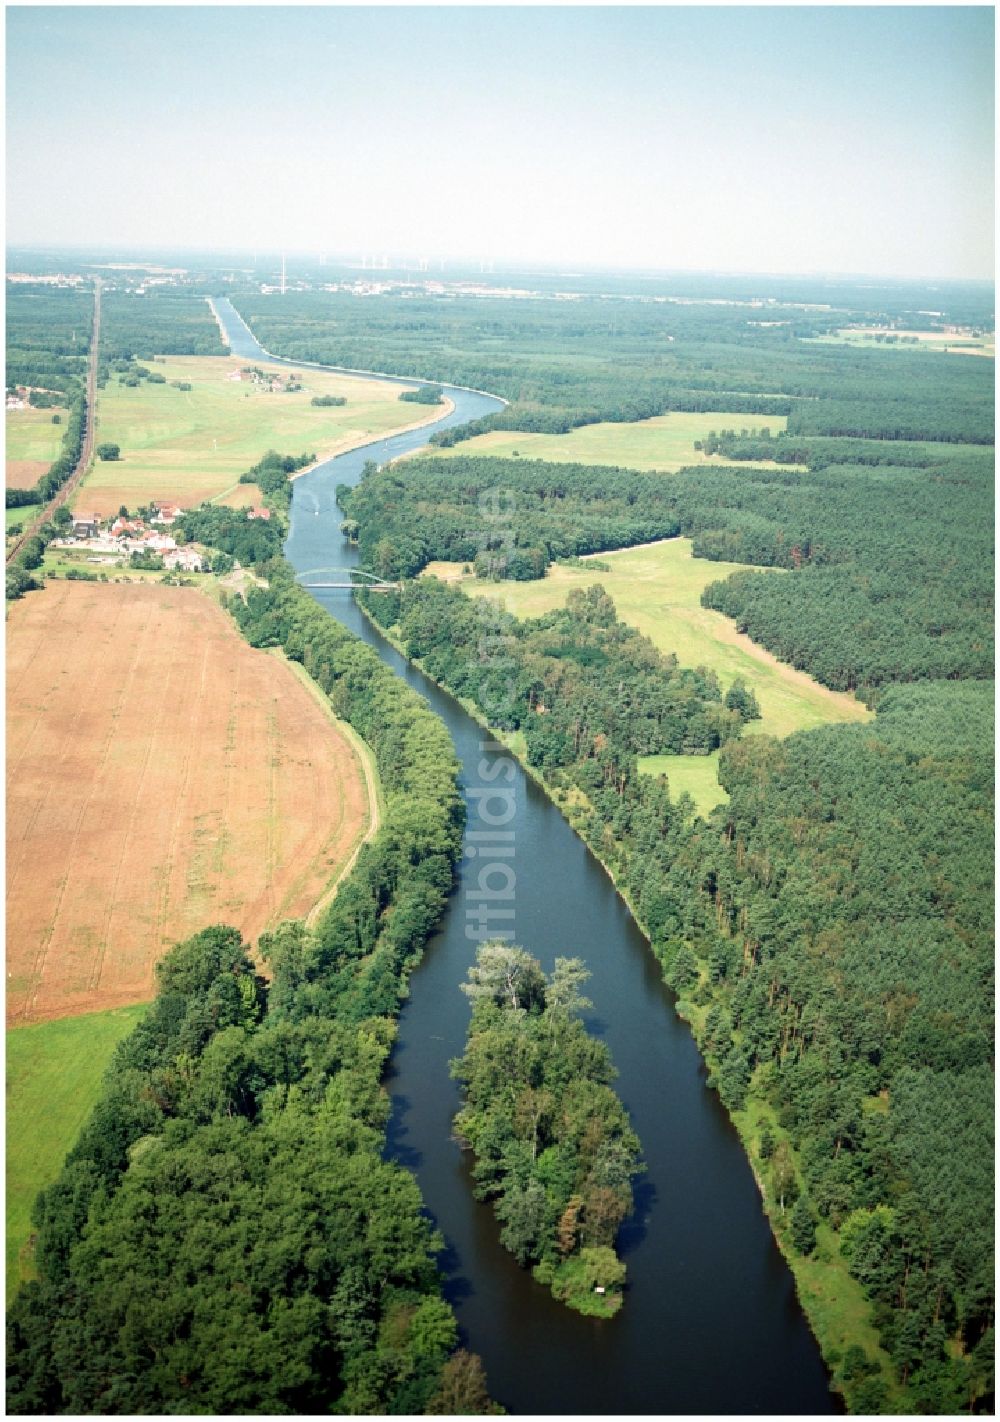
point(551, 265)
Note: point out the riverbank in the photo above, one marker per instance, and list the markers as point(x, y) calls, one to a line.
point(366, 758)
point(833, 1302)
point(726, 1335)
point(438, 412)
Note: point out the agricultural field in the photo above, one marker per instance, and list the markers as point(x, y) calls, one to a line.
point(192, 445)
point(161, 775)
point(656, 588)
point(665, 442)
point(54, 1072)
point(32, 443)
point(954, 343)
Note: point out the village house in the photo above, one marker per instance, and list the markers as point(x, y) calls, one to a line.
point(166, 512)
point(255, 512)
point(187, 559)
point(85, 525)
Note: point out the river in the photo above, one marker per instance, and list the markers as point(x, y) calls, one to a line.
point(711, 1323)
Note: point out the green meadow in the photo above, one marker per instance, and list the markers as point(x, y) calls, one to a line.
point(694, 775)
point(31, 443)
point(657, 588)
point(665, 442)
point(54, 1071)
point(963, 343)
point(191, 445)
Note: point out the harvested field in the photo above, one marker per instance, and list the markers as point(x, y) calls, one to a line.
point(161, 776)
point(25, 473)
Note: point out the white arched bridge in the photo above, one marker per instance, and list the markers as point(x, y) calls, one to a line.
point(348, 578)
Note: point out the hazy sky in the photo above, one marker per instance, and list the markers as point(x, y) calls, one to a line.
point(750, 139)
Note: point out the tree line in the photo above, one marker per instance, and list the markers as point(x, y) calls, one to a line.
point(589, 693)
point(161, 322)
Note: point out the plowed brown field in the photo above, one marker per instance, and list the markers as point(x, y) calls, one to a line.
point(161, 776)
point(25, 473)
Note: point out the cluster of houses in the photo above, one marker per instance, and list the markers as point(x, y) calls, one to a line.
point(262, 380)
point(112, 541)
point(18, 396)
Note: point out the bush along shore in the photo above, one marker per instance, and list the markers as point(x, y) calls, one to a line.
point(848, 861)
point(225, 1236)
point(553, 1146)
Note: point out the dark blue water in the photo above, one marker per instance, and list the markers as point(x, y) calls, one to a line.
point(711, 1323)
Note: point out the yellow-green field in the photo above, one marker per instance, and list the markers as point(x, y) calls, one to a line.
point(665, 442)
point(32, 443)
point(657, 588)
point(54, 1074)
point(191, 445)
point(871, 337)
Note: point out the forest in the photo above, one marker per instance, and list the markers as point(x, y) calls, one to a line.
point(161, 322)
point(240, 1135)
point(48, 335)
point(828, 932)
point(563, 364)
point(804, 928)
point(410, 513)
point(553, 1147)
point(891, 567)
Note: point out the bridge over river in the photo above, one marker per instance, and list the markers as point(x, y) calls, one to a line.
point(345, 578)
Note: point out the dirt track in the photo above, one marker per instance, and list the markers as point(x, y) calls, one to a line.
point(161, 776)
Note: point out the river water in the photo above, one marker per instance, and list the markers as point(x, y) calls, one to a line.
point(710, 1322)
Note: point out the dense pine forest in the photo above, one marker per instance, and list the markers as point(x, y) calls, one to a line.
point(162, 321)
point(567, 364)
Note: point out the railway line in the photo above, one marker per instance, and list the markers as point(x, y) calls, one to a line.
point(63, 495)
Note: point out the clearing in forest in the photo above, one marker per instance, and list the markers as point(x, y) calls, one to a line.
point(657, 588)
point(33, 442)
point(665, 442)
point(187, 446)
point(162, 775)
